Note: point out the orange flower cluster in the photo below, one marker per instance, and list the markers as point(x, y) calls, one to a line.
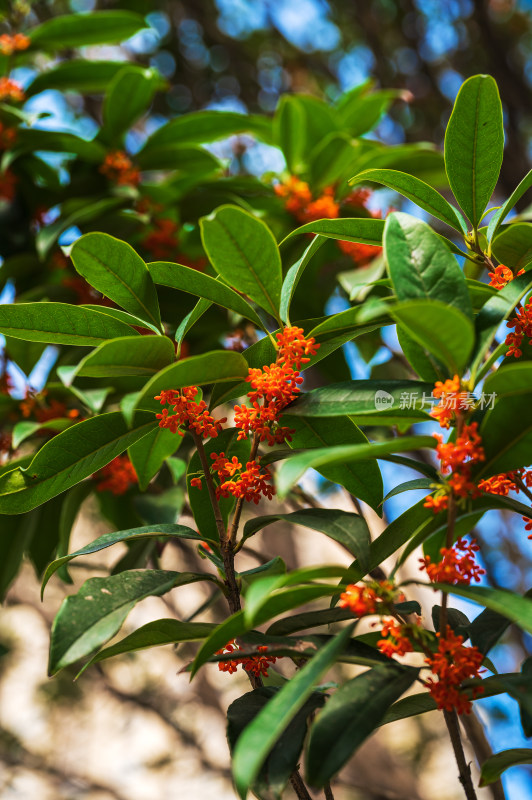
point(449, 392)
point(276, 386)
point(187, 413)
point(358, 198)
point(453, 567)
point(8, 185)
point(251, 484)
point(457, 458)
point(11, 90)
point(361, 254)
point(256, 664)
point(116, 477)
point(505, 482)
point(452, 664)
point(298, 201)
point(162, 242)
point(522, 325)
point(395, 639)
point(9, 44)
point(8, 137)
point(36, 405)
point(502, 275)
point(119, 169)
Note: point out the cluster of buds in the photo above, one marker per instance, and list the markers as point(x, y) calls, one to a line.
point(11, 90)
point(502, 275)
point(162, 242)
point(506, 482)
point(11, 44)
point(116, 477)
point(187, 413)
point(457, 458)
point(119, 169)
point(274, 387)
point(457, 564)
point(250, 484)
point(522, 325)
point(254, 665)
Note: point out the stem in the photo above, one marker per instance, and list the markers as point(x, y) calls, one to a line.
point(328, 792)
point(464, 770)
point(233, 530)
point(524, 488)
point(298, 786)
point(481, 747)
point(220, 527)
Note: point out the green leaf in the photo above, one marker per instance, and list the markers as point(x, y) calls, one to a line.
point(207, 126)
point(293, 276)
point(16, 534)
point(363, 399)
point(186, 279)
point(59, 142)
point(242, 249)
point(358, 320)
point(295, 467)
point(219, 365)
point(91, 617)
point(498, 763)
point(149, 454)
point(350, 530)
point(308, 619)
point(357, 229)
point(408, 486)
point(260, 735)
point(160, 531)
point(289, 132)
point(191, 318)
point(78, 75)
point(70, 508)
point(127, 98)
point(331, 159)
point(185, 158)
point(474, 143)
point(115, 269)
point(68, 458)
point(486, 629)
point(89, 211)
point(442, 329)
point(500, 215)
point(59, 323)
point(350, 715)
point(421, 266)
point(506, 432)
point(154, 634)
point(362, 479)
point(418, 191)
point(513, 247)
point(360, 113)
point(78, 30)
point(24, 429)
point(142, 356)
point(284, 756)
point(510, 605)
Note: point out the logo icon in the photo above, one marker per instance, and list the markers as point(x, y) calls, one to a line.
point(383, 400)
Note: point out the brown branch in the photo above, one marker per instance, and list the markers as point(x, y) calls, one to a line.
point(464, 770)
point(298, 786)
point(481, 746)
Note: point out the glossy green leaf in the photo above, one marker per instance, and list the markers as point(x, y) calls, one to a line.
point(284, 756)
point(149, 454)
point(190, 320)
point(68, 458)
point(154, 634)
point(442, 329)
point(359, 113)
point(474, 143)
point(24, 429)
point(362, 479)
point(201, 127)
point(243, 251)
point(261, 734)
point(127, 98)
point(513, 246)
point(498, 763)
point(421, 266)
point(87, 212)
point(115, 269)
point(59, 323)
point(293, 469)
point(185, 158)
point(350, 530)
point(161, 531)
point(78, 30)
point(142, 356)
point(16, 533)
point(409, 486)
point(289, 132)
point(70, 508)
point(510, 605)
point(500, 215)
point(308, 619)
point(486, 629)
point(358, 320)
point(55, 142)
point(77, 75)
point(331, 159)
point(293, 276)
point(91, 617)
point(219, 365)
point(506, 432)
point(357, 229)
point(418, 191)
point(186, 279)
point(350, 715)
point(364, 398)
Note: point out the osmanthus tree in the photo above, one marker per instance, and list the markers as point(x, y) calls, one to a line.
point(156, 407)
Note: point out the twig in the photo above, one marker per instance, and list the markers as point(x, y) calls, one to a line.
point(464, 770)
point(481, 746)
point(298, 786)
point(328, 792)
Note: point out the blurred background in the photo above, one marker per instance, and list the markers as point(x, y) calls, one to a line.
point(136, 729)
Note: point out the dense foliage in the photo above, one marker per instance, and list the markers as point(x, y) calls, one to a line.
point(172, 288)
